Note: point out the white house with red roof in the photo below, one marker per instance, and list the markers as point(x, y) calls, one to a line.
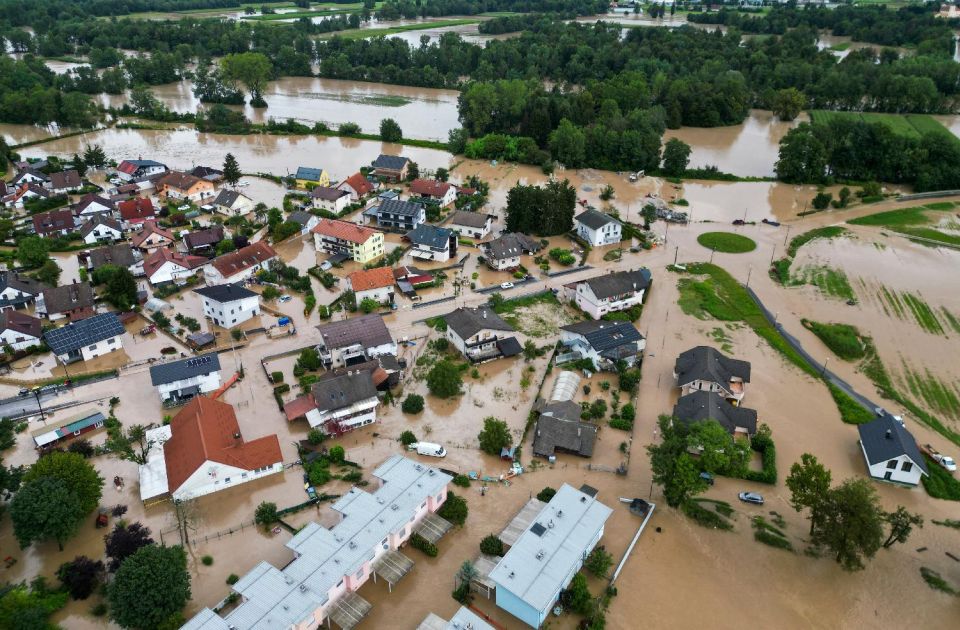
point(152, 237)
point(164, 265)
point(443, 193)
point(129, 170)
point(357, 185)
point(361, 244)
point(240, 265)
point(135, 212)
point(375, 284)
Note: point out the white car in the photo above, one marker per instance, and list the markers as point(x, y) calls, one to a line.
point(284, 298)
point(185, 206)
point(506, 285)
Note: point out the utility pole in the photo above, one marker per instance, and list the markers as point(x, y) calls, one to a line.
point(824, 370)
point(712, 252)
point(749, 271)
point(676, 252)
point(36, 394)
point(773, 253)
point(785, 238)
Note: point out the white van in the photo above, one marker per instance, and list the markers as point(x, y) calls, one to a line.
point(431, 449)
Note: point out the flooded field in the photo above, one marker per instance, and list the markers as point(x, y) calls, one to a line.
point(17, 134)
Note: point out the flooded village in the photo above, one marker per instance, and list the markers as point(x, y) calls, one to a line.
point(323, 347)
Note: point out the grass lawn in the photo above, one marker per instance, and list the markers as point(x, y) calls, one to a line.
point(940, 484)
point(842, 339)
point(364, 33)
point(911, 125)
point(912, 222)
point(727, 242)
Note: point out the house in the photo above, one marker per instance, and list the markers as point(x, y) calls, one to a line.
point(129, 170)
point(703, 406)
point(706, 369)
point(609, 293)
point(19, 331)
point(164, 265)
point(392, 168)
point(229, 304)
point(551, 549)
point(395, 214)
point(358, 186)
point(308, 177)
point(330, 199)
point(30, 175)
point(208, 173)
point(179, 381)
point(432, 243)
point(152, 237)
point(605, 343)
point(73, 301)
point(559, 428)
point(18, 291)
point(64, 182)
point(375, 284)
point(354, 340)
point(239, 265)
point(338, 403)
point(203, 241)
point(480, 335)
point(890, 451)
point(21, 195)
point(330, 564)
point(91, 205)
point(306, 220)
point(463, 619)
point(120, 254)
point(361, 244)
point(181, 186)
point(135, 212)
point(54, 433)
point(101, 228)
point(53, 223)
point(503, 253)
point(597, 228)
point(202, 451)
point(86, 339)
point(443, 193)
point(409, 279)
point(232, 203)
point(471, 224)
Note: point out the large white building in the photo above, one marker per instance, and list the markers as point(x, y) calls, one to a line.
point(228, 305)
point(609, 293)
point(598, 228)
point(86, 339)
point(179, 381)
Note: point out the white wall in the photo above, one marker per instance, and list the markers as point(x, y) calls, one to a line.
point(213, 276)
point(897, 473)
point(382, 295)
point(227, 314)
point(102, 233)
point(207, 382)
point(98, 349)
point(335, 206)
point(606, 235)
point(169, 271)
point(596, 308)
point(212, 476)
point(17, 340)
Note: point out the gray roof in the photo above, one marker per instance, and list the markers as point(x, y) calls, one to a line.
point(76, 335)
point(23, 284)
point(709, 364)
point(100, 219)
point(702, 406)
point(225, 292)
point(368, 330)
point(226, 198)
point(470, 219)
point(396, 206)
point(594, 219)
point(68, 297)
point(204, 238)
point(467, 322)
point(619, 283)
point(336, 392)
point(185, 368)
point(390, 162)
point(562, 410)
point(300, 216)
point(553, 433)
point(327, 193)
point(885, 438)
point(550, 550)
point(510, 245)
point(430, 236)
point(120, 254)
point(603, 336)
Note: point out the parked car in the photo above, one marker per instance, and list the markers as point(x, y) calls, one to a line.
point(284, 298)
point(945, 461)
point(506, 285)
point(751, 497)
point(739, 222)
point(707, 477)
point(326, 265)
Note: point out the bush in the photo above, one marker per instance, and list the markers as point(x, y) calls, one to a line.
point(454, 509)
point(207, 561)
point(266, 513)
point(598, 562)
point(412, 404)
point(337, 454)
point(316, 436)
point(232, 579)
point(621, 424)
point(419, 542)
point(940, 484)
point(277, 377)
point(703, 516)
point(491, 545)
point(629, 379)
point(407, 438)
point(461, 480)
point(546, 494)
point(352, 477)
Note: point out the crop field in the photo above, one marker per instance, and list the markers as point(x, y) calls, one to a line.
point(910, 125)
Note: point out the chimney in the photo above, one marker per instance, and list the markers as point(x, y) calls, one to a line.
point(889, 434)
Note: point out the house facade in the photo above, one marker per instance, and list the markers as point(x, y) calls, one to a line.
point(307, 177)
point(354, 340)
point(362, 244)
point(471, 224)
point(891, 452)
point(707, 369)
point(71, 301)
point(101, 229)
point(357, 186)
point(152, 237)
point(432, 243)
point(609, 293)
point(480, 334)
point(332, 200)
point(598, 228)
point(129, 170)
point(240, 265)
point(229, 305)
point(392, 168)
point(503, 253)
point(203, 241)
point(55, 433)
point(86, 339)
point(181, 186)
point(375, 284)
point(338, 403)
point(179, 381)
point(232, 203)
point(164, 265)
point(91, 205)
point(19, 331)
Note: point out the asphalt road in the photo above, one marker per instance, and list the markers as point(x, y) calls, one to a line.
point(19, 406)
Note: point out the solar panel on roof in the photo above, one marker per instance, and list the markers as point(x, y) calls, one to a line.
point(538, 529)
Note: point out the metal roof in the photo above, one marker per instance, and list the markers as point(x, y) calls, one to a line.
point(539, 565)
point(885, 438)
point(309, 174)
point(58, 429)
point(390, 162)
point(225, 292)
point(76, 335)
point(594, 219)
point(396, 206)
point(185, 368)
point(603, 335)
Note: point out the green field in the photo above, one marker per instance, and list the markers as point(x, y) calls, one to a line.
point(364, 33)
point(913, 222)
point(910, 125)
point(727, 242)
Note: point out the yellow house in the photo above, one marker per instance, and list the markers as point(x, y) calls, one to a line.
point(362, 244)
point(311, 177)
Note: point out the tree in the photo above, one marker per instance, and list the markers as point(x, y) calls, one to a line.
point(309, 359)
point(77, 162)
point(850, 523)
point(270, 293)
point(49, 273)
point(150, 587)
point(81, 576)
point(266, 513)
point(124, 541)
point(901, 524)
point(82, 447)
point(494, 436)
point(809, 482)
point(442, 174)
point(788, 103)
point(457, 140)
point(133, 445)
point(581, 602)
point(568, 144)
point(407, 438)
point(252, 69)
point(77, 474)
point(444, 380)
point(94, 156)
point(413, 171)
point(546, 494)
point(413, 403)
point(231, 170)
point(822, 200)
point(719, 452)
point(676, 156)
point(33, 251)
point(337, 454)
point(491, 545)
point(121, 289)
point(674, 468)
point(649, 214)
point(544, 211)
point(369, 305)
point(598, 562)
point(454, 509)
point(607, 193)
point(390, 131)
point(803, 157)
point(45, 508)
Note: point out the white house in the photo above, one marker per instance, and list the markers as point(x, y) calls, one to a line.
point(101, 228)
point(239, 265)
point(86, 339)
point(232, 203)
point(432, 243)
point(608, 293)
point(707, 369)
point(30, 176)
point(202, 451)
point(890, 451)
point(480, 335)
point(229, 304)
point(598, 228)
point(605, 343)
point(65, 182)
point(306, 220)
point(353, 340)
point(18, 291)
point(375, 284)
point(503, 253)
point(164, 265)
point(443, 193)
point(471, 224)
point(338, 403)
point(330, 199)
point(90, 205)
point(135, 169)
point(19, 330)
point(179, 381)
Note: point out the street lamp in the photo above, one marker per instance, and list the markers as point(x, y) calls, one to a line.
point(36, 394)
point(824, 370)
point(749, 272)
point(785, 238)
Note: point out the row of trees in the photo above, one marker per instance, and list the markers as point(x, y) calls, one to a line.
point(544, 211)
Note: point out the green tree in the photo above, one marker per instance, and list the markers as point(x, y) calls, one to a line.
point(413, 404)
point(390, 131)
point(649, 214)
point(581, 602)
point(43, 509)
point(94, 156)
point(676, 156)
point(901, 523)
point(32, 251)
point(822, 200)
point(568, 144)
point(809, 482)
point(369, 305)
point(337, 454)
point(252, 69)
point(674, 468)
point(788, 103)
point(444, 380)
point(266, 513)
point(457, 140)
point(454, 509)
point(150, 587)
point(598, 562)
point(231, 170)
point(77, 162)
point(133, 445)
point(79, 476)
point(546, 494)
point(491, 545)
point(850, 523)
point(803, 157)
point(121, 289)
point(49, 273)
point(607, 193)
point(407, 438)
point(719, 452)
point(494, 436)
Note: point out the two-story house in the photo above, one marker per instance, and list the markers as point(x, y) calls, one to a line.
point(152, 237)
point(72, 301)
point(307, 177)
point(608, 293)
point(19, 331)
point(354, 340)
point(54, 223)
point(135, 212)
point(164, 265)
point(338, 403)
point(91, 205)
point(443, 193)
point(598, 228)
point(471, 224)
point(357, 186)
point(101, 228)
point(605, 343)
point(18, 291)
point(330, 199)
point(503, 253)
point(707, 369)
point(480, 334)
point(181, 186)
point(229, 305)
point(203, 241)
point(239, 265)
point(395, 214)
point(179, 381)
point(374, 284)
point(361, 244)
point(86, 339)
point(232, 203)
point(432, 243)
point(119, 254)
point(129, 170)
point(65, 182)
point(392, 168)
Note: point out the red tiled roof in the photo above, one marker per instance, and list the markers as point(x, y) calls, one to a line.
point(243, 258)
point(155, 260)
point(367, 279)
point(180, 181)
point(150, 227)
point(343, 230)
point(359, 183)
point(207, 430)
point(127, 167)
point(299, 407)
point(134, 209)
point(429, 187)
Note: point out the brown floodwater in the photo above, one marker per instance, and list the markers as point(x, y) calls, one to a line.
point(17, 134)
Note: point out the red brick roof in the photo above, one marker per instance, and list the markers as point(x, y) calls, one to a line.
point(429, 187)
point(343, 230)
point(299, 407)
point(155, 260)
point(243, 258)
point(150, 227)
point(359, 183)
point(367, 279)
point(207, 430)
point(136, 209)
point(180, 181)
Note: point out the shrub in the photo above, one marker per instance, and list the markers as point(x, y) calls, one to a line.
point(207, 561)
point(598, 562)
point(461, 480)
point(419, 542)
point(316, 436)
point(621, 424)
point(703, 516)
point(232, 579)
point(352, 477)
point(629, 379)
point(407, 438)
point(277, 377)
point(454, 509)
point(266, 513)
point(337, 454)
point(546, 494)
point(491, 545)
point(412, 404)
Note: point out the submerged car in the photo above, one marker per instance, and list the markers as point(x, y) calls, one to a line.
point(506, 285)
point(751, 497)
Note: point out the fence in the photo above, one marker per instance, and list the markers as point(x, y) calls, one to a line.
point(197, 540)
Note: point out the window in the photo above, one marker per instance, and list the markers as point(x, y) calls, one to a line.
point(227, 480)
point(93, 347)
point(906, 467)
point(340, 583)
point(892, 464)
point(359, 574)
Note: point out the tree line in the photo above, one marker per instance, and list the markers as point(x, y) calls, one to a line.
point(408, 9)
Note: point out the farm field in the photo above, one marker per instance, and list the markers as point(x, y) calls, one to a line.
point(911, 125)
